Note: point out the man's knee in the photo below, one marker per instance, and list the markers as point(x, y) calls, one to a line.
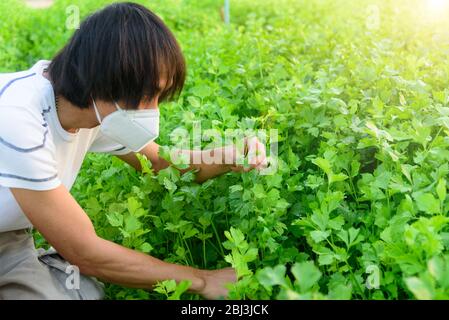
point(27, 273)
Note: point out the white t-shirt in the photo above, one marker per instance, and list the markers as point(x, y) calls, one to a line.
point(36, 153)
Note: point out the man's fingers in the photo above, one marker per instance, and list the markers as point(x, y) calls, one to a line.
point(256, 153)
point(263, 164)
point(256, 156)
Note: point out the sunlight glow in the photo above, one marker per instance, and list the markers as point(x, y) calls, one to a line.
point(438, 5)
point(436, 10)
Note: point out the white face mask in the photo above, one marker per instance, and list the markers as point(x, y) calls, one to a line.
point(132, 129)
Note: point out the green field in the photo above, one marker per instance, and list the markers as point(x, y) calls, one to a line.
point(358, 91)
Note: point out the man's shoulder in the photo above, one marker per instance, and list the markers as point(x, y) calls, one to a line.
point(22, 110)
point(21, 89)
point(26, 151)
point(25, 88)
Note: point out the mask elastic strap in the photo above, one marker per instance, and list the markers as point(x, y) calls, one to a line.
point(96, 111)
point(117, 106)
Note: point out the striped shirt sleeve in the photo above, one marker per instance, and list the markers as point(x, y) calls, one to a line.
point(27, 153)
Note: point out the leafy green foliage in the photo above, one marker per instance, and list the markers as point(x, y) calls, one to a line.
point(171, 289)
point(363, 120)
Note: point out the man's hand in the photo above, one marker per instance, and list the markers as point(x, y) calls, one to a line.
point(215, 283)
point(254, 151)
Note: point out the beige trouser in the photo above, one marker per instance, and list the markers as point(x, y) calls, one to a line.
point(27, 273)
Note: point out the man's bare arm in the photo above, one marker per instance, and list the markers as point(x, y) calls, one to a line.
point(226, 159)
point(65, 225)
point(205, 171)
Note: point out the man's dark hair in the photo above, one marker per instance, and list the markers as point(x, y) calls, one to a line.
point(119, 53)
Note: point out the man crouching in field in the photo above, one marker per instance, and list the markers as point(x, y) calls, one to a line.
point(99, 94)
